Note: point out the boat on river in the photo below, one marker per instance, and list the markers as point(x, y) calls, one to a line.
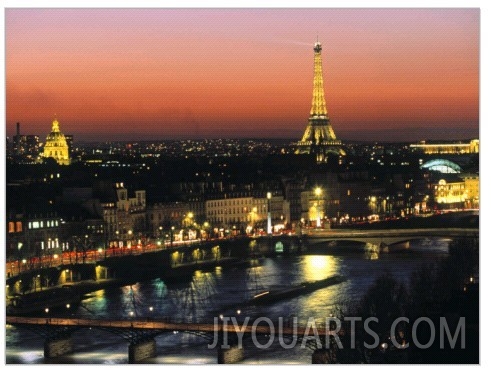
point(272, 296)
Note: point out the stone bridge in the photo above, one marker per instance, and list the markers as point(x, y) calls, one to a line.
point(382, 240)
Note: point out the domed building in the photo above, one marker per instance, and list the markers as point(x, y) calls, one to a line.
point(56, 146)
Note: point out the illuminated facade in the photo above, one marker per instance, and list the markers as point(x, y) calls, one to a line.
point(450, 192)
point(448, 148)
point(461, 191)
point(471, 184)
point(319, 137)
point(56, 146)
point(314, 207)
point(247, 211)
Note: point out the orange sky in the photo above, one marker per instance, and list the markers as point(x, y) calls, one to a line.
point(167, 73)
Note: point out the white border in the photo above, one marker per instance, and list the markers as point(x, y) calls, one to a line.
point(484, 91)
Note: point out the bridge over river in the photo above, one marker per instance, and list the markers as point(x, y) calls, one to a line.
point(383, 240)
point(181, 261)
point(225, 334)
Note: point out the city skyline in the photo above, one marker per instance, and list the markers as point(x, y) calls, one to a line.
point(120, 74)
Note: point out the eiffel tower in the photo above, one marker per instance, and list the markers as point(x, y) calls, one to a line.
point(319, 137)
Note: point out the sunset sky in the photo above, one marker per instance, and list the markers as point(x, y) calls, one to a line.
point(112, 74)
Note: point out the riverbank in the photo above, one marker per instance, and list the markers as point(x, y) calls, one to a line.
point(56, 297)
point(72, 293)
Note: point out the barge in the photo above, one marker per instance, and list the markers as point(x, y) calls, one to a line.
point(272, 296)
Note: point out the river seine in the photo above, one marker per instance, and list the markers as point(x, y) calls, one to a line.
point(224, 291)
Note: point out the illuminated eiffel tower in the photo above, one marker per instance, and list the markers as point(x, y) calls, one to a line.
point(319, 137)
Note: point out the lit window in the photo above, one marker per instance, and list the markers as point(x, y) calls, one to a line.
point(35, 225)
point(11, 227)
point(18, 226)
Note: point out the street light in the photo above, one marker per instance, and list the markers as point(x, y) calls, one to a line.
point(130, 233)
point(206, 225)
point(84, 252)
point(19, 247)
point(318, 192)
point(188, 219)
point(253, 219)
point(171, 235)
point(269, 229)
point(117, 241)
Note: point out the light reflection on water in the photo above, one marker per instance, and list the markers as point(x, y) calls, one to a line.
point(319, 267)
point(221, 290)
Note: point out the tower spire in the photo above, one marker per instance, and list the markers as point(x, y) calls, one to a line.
point(319, 108)
point(319, 136)
point(56, 125)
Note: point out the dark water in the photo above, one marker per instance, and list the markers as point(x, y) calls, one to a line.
point(224, 291)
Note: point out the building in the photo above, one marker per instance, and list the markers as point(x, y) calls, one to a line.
point(161, 217)
point(447, 148)
point(442, 166)
point(56, 146)
point(196, 204)
point(313, 207)
point(293, 190)
point(450, 192)
point(319, 137)
point(25, 147)
point(34, 233)
point(457, 191)
point(113, 214)
point(69, 142)
point(130, 211)
point(471, 185)
point(248, 212)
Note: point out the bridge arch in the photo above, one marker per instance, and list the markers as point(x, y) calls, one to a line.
point(369, 244)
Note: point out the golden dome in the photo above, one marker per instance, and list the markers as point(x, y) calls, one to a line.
point(56, 146)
